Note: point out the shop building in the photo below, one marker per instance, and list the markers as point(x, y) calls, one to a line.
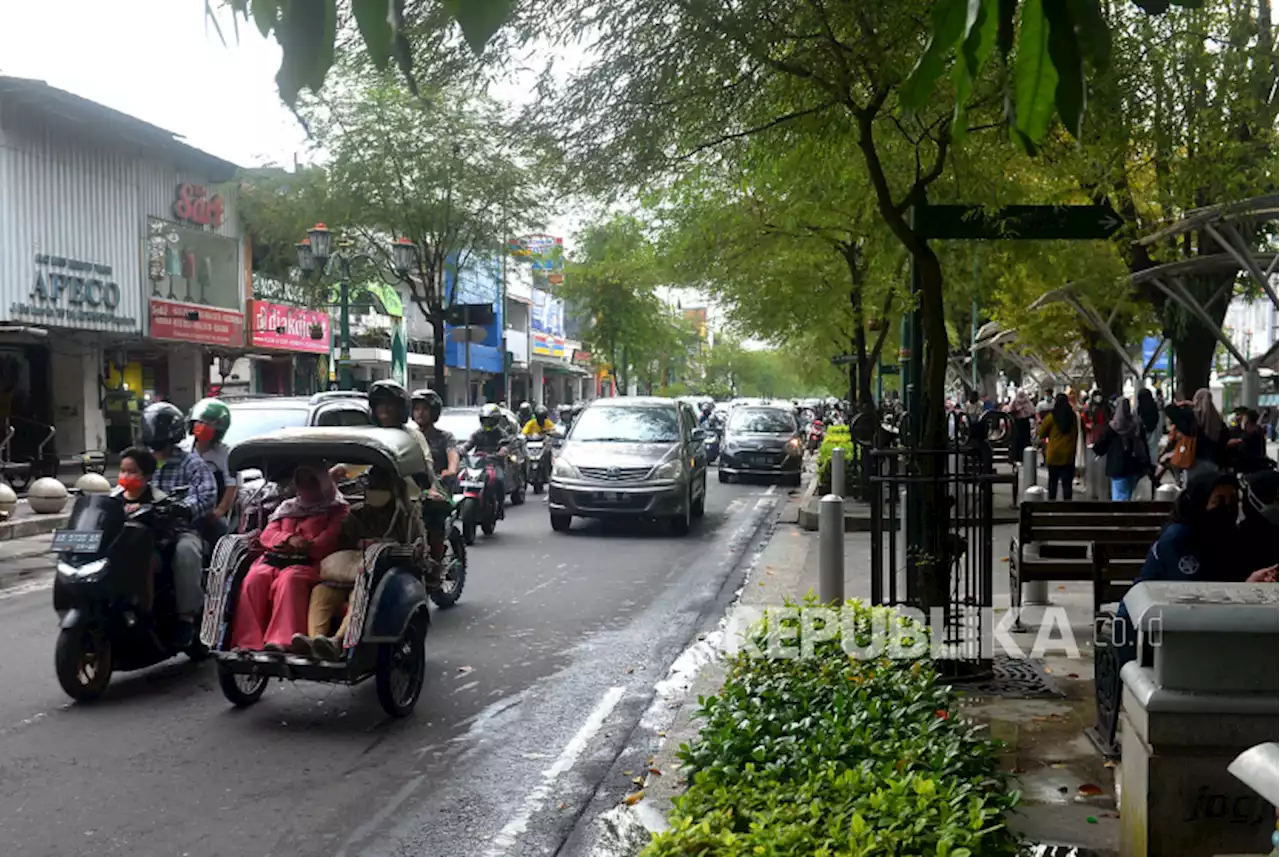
point(121, 268)
point(475, 369)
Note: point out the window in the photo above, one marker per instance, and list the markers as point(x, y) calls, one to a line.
point(252, 422)
point(615, 424)
point(340, 416)
point(761, 421)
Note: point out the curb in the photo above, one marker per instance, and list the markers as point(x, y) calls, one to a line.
point(32, 525)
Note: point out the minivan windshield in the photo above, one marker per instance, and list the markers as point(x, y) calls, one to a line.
point(762, 421)
point(615, 424)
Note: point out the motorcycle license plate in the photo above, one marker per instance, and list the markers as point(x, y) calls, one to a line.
point(470, 484)
point(77, 541)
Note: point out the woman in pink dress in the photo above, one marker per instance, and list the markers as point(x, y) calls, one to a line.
point(276, 591)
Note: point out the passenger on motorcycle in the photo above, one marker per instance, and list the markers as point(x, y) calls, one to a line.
point(524, 413)
point(539, 422)
point(491, 439)
point(208, 422)
point(137, 466)
point(163, 428)
point(427, 406)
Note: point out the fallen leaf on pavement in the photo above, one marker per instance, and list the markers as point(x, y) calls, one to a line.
point(662, 734)
point(627, 773)
point(639, 781)
point(563, 805)
point(1109, 763)
point(1062, 589)
point(655, 772)
point(1089, 790)
point(634, 798)
point(1073, 675)
point(1057, 766)
point(629, 670)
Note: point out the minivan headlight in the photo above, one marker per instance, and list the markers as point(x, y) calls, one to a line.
point(670, 470)
point(89, 569)
point(564, 469)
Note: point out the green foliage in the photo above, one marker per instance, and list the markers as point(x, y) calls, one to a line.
point(836, 436)
point(831, 755)
point(1058, 42)
point(276, 208)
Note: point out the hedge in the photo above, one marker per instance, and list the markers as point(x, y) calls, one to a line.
point(837, 436)
point(836, 757)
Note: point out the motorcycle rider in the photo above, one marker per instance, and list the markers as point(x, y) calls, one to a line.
point(538, 423)
point(207, 423)
point(524, 413)
point(163, 428)
point(492, 439)
point(427, 406)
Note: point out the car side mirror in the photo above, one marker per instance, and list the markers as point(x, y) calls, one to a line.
point(699, 434)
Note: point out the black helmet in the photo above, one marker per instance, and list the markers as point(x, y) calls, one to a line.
point(162, 424)
point(431, 399)
point(541, 413)
point(490, 417)
point(525, 412)
point(391, 392)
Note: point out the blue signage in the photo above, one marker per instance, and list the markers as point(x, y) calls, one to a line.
point(1149, 346)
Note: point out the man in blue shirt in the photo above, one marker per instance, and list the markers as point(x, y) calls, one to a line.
point(163, 428)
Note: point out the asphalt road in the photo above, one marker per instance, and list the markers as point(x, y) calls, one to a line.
point(536, 681)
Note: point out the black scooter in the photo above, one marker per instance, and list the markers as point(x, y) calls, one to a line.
point(116, 612)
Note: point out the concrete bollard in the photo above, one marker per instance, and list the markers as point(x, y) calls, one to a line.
point(837, 471)
point(831, 549)
point(1168, 493)
point(1027, 476)
point(1035, 592)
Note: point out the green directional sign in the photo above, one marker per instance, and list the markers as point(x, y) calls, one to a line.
point(1017, 222)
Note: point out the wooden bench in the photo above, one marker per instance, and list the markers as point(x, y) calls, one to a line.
point(1115, 569)
point(1055, 539)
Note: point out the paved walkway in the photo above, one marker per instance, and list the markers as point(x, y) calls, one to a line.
point(25, 558)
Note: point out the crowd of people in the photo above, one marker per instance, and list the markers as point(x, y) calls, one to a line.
point(1144, 438)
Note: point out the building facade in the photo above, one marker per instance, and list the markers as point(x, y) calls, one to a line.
point(122, 269)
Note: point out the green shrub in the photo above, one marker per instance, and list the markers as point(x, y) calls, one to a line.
point(836, 436)
point(838, 757)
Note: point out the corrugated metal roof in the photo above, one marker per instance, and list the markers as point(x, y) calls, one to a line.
point(89, 118)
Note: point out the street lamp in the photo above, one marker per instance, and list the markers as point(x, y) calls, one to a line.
point(316, 256)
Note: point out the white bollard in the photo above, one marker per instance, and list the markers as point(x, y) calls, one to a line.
point(831, 549)
point(1035, 592)
point(1027, 476)
point(1168, 493)
point(837, 471)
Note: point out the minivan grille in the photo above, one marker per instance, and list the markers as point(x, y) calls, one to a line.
point(615, 474)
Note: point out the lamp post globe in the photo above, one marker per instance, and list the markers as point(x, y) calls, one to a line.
point(321, 242)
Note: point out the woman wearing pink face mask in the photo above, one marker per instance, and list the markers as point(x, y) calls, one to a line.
point(277, 590)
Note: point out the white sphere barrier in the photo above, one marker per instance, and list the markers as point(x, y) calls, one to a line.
point(47, 495)
point(8, 500)
point(93, 483)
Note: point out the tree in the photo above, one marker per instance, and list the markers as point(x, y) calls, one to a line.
point(444, 173)
point(276, 207)
point(612, 282)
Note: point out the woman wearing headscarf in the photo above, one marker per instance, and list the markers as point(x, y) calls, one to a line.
point(1023, 410)
point(277, 590)
point(1125, 449)
point(1061, 432)
point(1211, 433)
point(1152, 428)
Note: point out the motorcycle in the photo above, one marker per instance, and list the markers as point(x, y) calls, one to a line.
point(816, 433)
point(116, 608)
point(715, 437)
point(480, 503)
point(537, 462)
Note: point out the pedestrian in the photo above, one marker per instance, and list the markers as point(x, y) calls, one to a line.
point(1061, 433)
point(1211, 434)
point(973, 407)
point(1152, 421)
point(1125, 449)
point(1022, 411)
point(1249, 449)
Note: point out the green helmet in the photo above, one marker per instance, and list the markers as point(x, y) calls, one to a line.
point(212, 411)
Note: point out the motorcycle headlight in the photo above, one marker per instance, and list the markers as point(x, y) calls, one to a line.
point(89, 569)
point(564, 469)
point(670, 470)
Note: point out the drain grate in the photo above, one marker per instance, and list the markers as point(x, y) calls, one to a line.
point(1016, 678)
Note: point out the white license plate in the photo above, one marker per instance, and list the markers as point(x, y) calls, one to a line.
point(472, 484)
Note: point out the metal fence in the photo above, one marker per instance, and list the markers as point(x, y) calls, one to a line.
point(935, 555)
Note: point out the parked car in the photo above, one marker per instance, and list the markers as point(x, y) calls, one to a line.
point(631, 457)
point(762, 441)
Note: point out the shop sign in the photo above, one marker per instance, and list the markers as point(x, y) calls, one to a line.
point(187, 322)
point(69, 292)
point(289, 328)
point(582, 358)
point(546, 345)
point(192, 266)
point(194, 204)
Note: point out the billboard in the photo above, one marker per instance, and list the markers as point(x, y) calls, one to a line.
point(546, 323)
point(1149, 346)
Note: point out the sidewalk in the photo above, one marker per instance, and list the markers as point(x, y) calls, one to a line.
point(1040, 709)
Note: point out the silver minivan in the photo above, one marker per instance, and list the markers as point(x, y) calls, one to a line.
point(631, 457)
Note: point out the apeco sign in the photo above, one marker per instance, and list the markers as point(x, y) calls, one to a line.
point(196, 205)
point(70, 292)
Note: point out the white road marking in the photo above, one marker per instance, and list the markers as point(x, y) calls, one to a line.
point(567, 759)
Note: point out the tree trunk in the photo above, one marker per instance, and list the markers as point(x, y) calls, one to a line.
point(860, 370)
point(1108, 369)
point(438, 355)
point(1194, 355)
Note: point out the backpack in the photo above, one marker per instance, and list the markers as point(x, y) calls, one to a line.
point(1184, 450)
